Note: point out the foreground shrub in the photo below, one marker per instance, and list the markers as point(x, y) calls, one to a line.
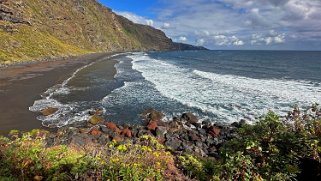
point(273, 148)
point(145, 159)
point(27, 158)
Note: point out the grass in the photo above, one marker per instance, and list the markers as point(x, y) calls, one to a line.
point(30, 44)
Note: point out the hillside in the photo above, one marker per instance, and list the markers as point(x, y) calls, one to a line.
point(35, 29)
point(183, 46)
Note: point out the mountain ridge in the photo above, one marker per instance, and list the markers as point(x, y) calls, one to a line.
point(37, 29)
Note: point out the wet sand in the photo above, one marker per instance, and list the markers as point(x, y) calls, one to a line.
point(21, 85)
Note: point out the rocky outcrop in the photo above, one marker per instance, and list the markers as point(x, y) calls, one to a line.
point(10, 14)
point(204, 140)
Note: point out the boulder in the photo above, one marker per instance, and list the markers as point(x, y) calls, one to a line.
point(48, 111)
point(186, 147)
point(152, 125)
point(152, 114)
point(239, 124)
point(194, 137)
point(117, 139)
point(127, 133)
point(190, 118)
point(105, 130)
point(176, 124)
point(112, 126)
point(95, 119)
point(201, 131)
point(173, 143)
point(103, 139)
point(214, 131)
point(161, 131)
point(169, 134)
point(98, 112)
point(199, 151)
point(206, 124)
point(80, 140)
point(95, 132)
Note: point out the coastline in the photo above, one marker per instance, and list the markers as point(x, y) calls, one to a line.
point(21, 84)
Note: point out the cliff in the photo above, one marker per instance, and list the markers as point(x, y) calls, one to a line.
point(183, 46)
point(35, 29)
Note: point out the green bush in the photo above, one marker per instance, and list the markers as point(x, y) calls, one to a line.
point(273, 148)
point(27, 157)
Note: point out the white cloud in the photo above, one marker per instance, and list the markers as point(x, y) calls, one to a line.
point(166, 26)
point(223, 40)
point(182, 38)
point(267, 39)
point(238, 43)
point(202, 19)
point(200, 42)
point(215, 22)
point(136, 18)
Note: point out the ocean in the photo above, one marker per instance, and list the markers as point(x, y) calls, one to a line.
point(219, 86)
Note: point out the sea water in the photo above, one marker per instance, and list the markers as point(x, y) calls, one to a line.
point(223, 86)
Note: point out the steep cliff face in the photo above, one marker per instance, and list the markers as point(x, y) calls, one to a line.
point(33, 29)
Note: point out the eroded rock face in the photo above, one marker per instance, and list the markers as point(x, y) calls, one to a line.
point(9, 11)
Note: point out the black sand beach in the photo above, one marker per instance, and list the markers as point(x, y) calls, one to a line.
point(22, 84)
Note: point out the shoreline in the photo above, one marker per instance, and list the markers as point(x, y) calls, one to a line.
point(23, 83)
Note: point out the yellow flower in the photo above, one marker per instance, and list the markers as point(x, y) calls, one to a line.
point(157, 154)
point(168, 153)
point(122, 148)
point(114, 160)
point(144, 148)
point(158, 163)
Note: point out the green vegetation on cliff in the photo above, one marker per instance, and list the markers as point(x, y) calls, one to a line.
point(35, 29)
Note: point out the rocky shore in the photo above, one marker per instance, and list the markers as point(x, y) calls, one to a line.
point(184, 134)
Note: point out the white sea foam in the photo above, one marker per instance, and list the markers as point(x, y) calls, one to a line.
point(67, 113)
point(229, 97)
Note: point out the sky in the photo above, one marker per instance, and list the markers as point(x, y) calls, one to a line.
point(230, 24)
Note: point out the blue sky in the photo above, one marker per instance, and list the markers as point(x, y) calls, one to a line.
point(230, 24)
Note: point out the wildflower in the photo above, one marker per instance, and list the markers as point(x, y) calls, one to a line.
point(145, 137)
point(115, 160)
point(144, 148)
point(157, 154)
point(136, 165)
point(122, 148)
